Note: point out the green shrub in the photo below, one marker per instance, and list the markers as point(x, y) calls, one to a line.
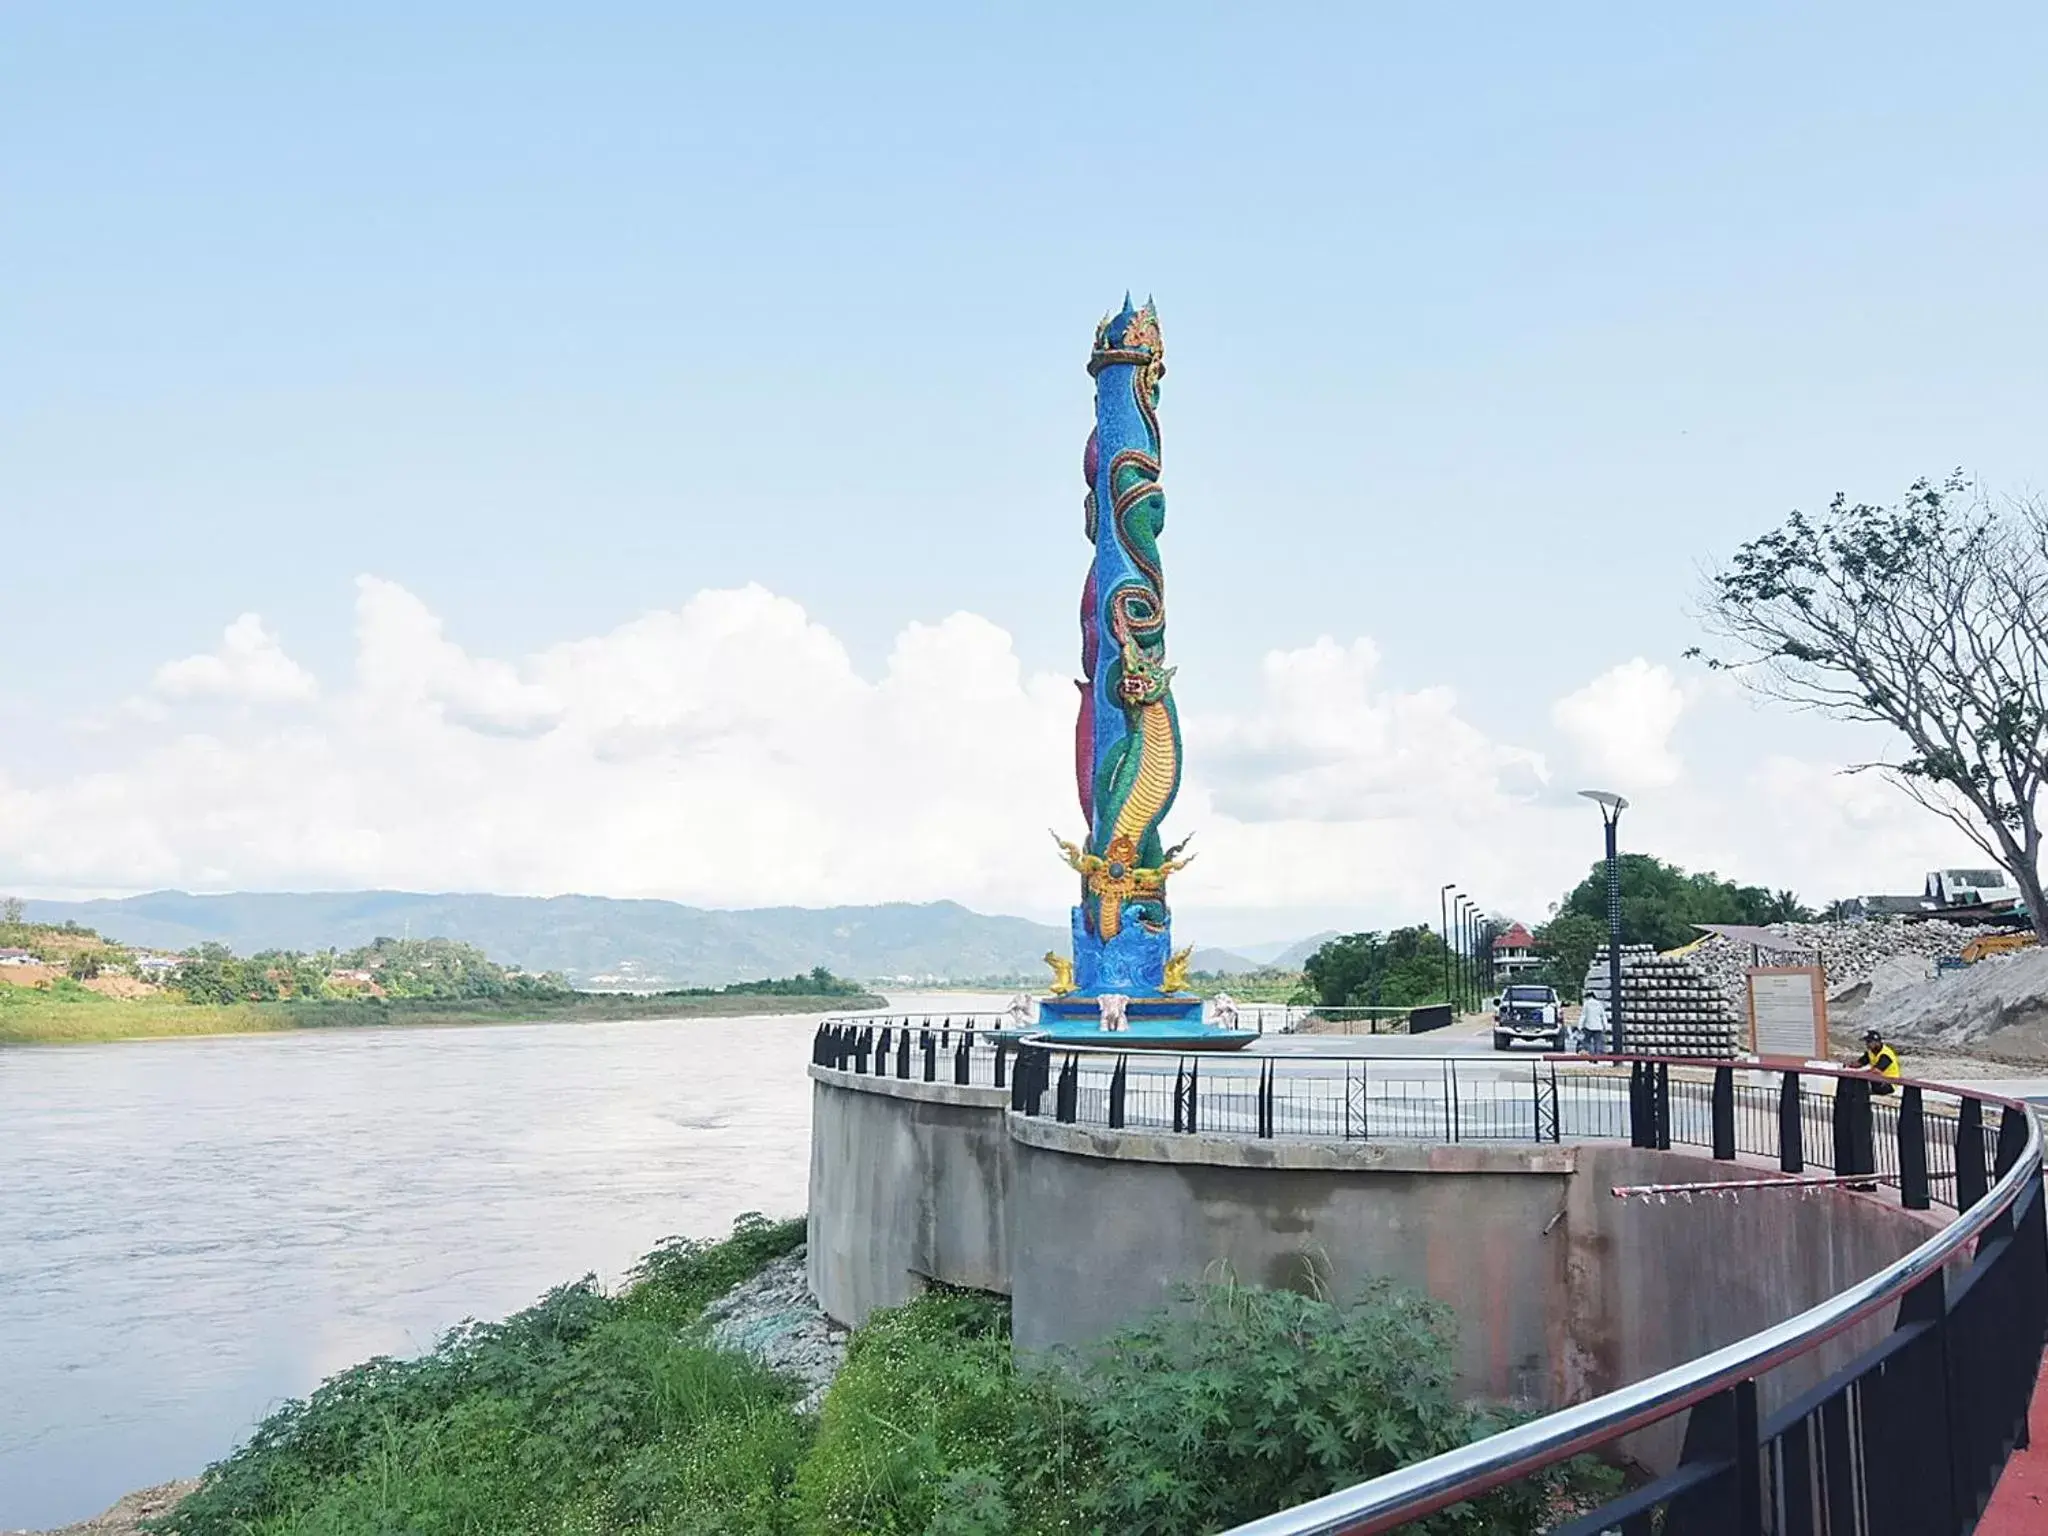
point(1252, 1400)
point(928, 1391)
point(585, 1412)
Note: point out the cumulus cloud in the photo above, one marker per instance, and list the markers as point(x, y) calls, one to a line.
point(1329, 741)
point(249, 667)
point(1620, 725)
point(728, 752)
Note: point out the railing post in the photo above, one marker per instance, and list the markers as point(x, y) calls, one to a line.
point(1265, 1106)
point(1912, 1133)
point(864, 1049)
point(960, 1060)
point(1854, 1147)
point(903, 1052)
point(1066, 1101)
point(931, 1055)
point(1724, 1114)
point(1002, 1059)
point(1970, 1180)
point(1180, 1083)
point(1640, 1131)
point(2012, 1141)
point(1194, 1091)
point(1661, 1098)
point(1791, 1125)
point(1116, 1094)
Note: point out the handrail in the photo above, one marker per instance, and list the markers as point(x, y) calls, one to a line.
point(1385, 1502)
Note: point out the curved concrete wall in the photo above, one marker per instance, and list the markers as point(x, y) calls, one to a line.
point(1561, 1291)
point(909, 1183)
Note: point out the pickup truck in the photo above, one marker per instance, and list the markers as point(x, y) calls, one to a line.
point(1528, 1012)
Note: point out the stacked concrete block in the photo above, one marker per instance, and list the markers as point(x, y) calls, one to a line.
point(1670, 1005)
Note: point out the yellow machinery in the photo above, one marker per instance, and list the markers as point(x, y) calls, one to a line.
point(1994, 944)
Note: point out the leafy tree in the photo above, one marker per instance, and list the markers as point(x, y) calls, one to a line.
point(1568, 943)
point(1929, 618)
point(1403, 969)
point(1660, 902)
point(12, 912)
point(86, 964)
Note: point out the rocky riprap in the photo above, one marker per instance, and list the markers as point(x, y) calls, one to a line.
point(774, 1318)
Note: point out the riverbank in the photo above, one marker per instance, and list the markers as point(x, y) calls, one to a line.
point(710, 1394)
point(75, 1016)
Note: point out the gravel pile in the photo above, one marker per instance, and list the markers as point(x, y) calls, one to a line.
point(774, 1318)
point(1852, 954)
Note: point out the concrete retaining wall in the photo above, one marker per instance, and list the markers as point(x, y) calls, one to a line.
point(909, 1183)
point(1561, 1291)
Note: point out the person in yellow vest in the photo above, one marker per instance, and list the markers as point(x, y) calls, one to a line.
point(1878, 1057)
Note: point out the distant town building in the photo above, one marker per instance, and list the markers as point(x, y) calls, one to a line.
point(1515, 951)
point(154, 965)
point(18, 957)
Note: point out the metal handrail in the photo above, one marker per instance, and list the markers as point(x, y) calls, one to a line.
point(1386, 1502)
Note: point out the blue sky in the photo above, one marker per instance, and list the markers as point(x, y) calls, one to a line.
point(1485, 328)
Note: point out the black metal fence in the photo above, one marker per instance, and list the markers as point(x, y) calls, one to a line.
point(1907, 1439)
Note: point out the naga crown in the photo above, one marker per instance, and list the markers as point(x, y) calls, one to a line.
point(1129, 336)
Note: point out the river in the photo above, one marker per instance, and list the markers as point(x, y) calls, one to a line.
point(192, 1231)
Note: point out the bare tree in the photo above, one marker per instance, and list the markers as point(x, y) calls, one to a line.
point(1930, 618)
point(11, 910)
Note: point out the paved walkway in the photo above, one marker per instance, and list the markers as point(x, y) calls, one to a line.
point(2019, 1505)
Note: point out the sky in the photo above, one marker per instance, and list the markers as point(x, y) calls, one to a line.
point(634, 449)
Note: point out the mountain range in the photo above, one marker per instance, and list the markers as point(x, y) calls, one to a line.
point(600, 941)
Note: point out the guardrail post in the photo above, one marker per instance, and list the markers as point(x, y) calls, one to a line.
point(2012, 1141)
point(1724, 1114)
point(1002, 1058)
point(1027, 1083)
point(1855, 1148)
point(1265, 1109)
point(1970, 1180)
point(1791, 1125)
point(960, 1055)
point(1912, 1133)
point(1116, 1094)
point(929, 1046)
point(1180, 1084)
point(1066, 1100)
point(863, 1049)
point(1639, 1131)
point(1661, 1100)
point(903, 1053)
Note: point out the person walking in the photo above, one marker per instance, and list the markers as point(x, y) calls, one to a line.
point(1593, 1024)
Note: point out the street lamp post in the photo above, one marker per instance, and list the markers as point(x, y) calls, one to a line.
point(1443, 913)
point(1611, 806)
point(1465, 949)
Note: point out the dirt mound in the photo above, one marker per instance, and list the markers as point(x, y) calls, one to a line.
point(1999, 1006)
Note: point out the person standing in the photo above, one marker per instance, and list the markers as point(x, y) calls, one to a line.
point(1593, 1024)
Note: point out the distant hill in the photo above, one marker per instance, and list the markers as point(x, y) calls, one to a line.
point(593, 940)
point(1281, 955)
point(1220, 962)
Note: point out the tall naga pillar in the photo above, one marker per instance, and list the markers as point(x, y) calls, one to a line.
point(1126, 736)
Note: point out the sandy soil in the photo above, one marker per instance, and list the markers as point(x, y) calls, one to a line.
point(125, 1518)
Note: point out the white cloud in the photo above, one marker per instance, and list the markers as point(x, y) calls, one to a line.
point(250, 667)
point(728, 752)
point(1620, 725)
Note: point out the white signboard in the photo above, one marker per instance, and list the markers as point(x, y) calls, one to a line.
point(1788, 1012)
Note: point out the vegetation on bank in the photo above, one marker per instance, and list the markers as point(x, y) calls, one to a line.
point(65, 1012)
point(80, 987)
point(611, 1415)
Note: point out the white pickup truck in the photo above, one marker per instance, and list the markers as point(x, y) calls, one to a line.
point(1528, 1012)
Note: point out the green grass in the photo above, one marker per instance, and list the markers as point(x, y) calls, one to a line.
point(609, 1415)
point(67, 1013)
